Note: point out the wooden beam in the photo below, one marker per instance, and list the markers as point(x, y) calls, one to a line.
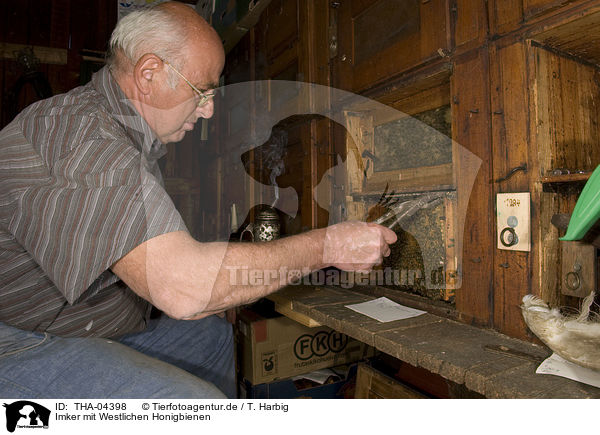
point(471, 133)
point(48, 55)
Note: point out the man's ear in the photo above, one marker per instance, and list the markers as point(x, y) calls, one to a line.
point(146, 70)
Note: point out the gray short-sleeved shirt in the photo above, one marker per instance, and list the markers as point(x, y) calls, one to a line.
point(79, 188)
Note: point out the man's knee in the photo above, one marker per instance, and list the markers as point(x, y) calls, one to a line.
point(142, 376)
point(184, 388)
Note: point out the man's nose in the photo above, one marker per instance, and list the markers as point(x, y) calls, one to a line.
point(206, 110)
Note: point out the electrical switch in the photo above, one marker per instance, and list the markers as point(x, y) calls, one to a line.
point(513, 221)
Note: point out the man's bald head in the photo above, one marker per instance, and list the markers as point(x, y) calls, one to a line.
point(170, 30)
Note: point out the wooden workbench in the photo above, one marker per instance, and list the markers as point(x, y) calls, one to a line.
point(484, 361)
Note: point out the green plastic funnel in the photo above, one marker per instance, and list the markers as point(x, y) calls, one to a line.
point(587, 209)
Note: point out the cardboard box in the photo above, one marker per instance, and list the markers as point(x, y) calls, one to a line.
point(291, 389)
point(279, 348)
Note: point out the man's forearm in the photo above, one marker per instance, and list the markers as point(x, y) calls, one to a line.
point(188, 279)
point(250, 271)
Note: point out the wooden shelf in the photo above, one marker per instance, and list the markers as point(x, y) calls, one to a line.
point(566, 178)
point(484, 361)
point(565, 183)
point(48, 55)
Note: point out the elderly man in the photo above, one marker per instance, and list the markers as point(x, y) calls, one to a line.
point(90, 241)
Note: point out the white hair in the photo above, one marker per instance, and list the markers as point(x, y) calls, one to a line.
point(149, 30)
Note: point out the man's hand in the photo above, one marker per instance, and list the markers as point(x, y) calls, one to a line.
point(357, 246)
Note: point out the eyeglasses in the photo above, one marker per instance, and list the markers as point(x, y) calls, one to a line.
point(203, 97)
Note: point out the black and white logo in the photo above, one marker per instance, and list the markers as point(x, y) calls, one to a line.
point(319, 344)
point(269, 363)
point(26, 415)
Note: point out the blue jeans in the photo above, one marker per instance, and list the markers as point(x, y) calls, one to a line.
point(170, 359)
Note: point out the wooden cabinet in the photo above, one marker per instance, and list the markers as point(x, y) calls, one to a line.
point(381, 39)
point(511, 85)
point(544, 120)
point(564, 87)
point(470, 22)
point(532, 8)
point(506, 16)
point(566, 116)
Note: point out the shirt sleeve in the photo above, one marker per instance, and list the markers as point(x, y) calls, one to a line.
point(95, 207)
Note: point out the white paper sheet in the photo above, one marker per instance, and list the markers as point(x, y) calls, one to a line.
point(385, 310)
point(555, 365)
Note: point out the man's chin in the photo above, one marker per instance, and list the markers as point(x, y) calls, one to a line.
point(175, 137)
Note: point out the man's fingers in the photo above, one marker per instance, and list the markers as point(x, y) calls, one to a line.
point(389, 236)
point(357, 245)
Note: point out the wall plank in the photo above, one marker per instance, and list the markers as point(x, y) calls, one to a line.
point(470, 130)
point(471, 24)
point(504, 15)
point(510, 149)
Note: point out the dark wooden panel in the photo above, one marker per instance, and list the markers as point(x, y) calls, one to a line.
point(2, 67)
point(423, 34)
point(3, 17)
point(11, 74)
point(325, 159)
point(504, 15)
point(315, 18)
point(567, 115)
point(15, 22)
point(471, 24)
point(470, 101)
point(59, 23)
point(372, 384)
point(535, 7)
point(294, 176)
point(93, 25)
point(281, 26)
point(50, 25)
point(237, 66)
point(106, 19)
point(577, 37)
point(39, 25)
point(385, 22)
point(510, 133)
